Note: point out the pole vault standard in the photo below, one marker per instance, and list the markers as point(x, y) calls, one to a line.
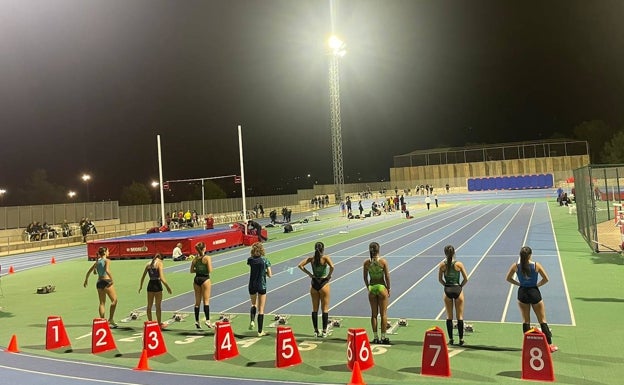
point(240, 149)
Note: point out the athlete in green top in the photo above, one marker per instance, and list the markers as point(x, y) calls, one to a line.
point(319, 287)
point(377, 281)
point(201, 266)
point(449, 272)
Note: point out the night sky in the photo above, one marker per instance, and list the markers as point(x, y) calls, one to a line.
point(85, 86)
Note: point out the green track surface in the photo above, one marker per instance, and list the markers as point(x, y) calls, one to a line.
point(590, 352)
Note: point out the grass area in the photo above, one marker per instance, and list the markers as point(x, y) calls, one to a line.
point(589, 352)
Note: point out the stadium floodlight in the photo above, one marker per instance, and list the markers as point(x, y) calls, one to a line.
point(86, 178)
point(337, 50)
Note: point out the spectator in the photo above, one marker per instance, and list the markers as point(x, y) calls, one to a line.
point(209, 222)
point(65, 229)
point(177, 253)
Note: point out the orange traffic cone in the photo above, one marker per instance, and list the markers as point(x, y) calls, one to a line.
point(11, 269)
point(142, 365)
point(53, 261)
point(356, 376)
point(13, 345)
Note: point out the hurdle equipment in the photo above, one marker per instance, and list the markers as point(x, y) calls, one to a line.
point(435, 358)
point(286, 350)
point(101, 337)
point(358, 349)
point(56, 335)
point(153, 342)
point(143, 365)
point(225, 344)
point(12, 348)
point(536, 357)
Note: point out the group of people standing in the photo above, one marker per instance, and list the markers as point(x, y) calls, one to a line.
point(452, 276)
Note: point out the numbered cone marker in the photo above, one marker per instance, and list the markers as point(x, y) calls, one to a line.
point(56, 335)
point(101, 337)
point(358, 349)
point(435, 358)
point(225, 344)
point(286, 349)
point(153, 341)
point(536, 359)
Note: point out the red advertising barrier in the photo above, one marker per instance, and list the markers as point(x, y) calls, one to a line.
point(101, 337)
point(225, 344)
point(435, 358)
point(536, 358)
point(358, 349)
point(286, 350)
point(56, 335)
point(153, 341)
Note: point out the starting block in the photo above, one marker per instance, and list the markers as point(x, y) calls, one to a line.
point(46, 289)
point(279, 319)
point(133, 316)
point(402, 322)
point(467, 327)
point(336, 323)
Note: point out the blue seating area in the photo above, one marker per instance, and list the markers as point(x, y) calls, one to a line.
point(521, 182)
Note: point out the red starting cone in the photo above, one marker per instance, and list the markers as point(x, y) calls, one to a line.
point(13, 345)
point(53, 261)
point(356, 375)
point(11, 269)
point(142, 365)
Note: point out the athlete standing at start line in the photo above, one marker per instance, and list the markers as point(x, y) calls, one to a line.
point(377, 281)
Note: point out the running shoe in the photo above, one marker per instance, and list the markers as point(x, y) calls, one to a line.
point(208, 324)
point(324, 334)
point(112, 325)
point(316, 334)
point(252, 325)
point(461, 342)
point(262, 334)
point(376, 341)
point(553, 348)
point(197, 325)
point(385, 341)
point(451, 342)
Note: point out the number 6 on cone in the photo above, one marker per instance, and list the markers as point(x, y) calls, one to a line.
point(358, 349)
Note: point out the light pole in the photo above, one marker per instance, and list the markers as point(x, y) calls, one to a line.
point(86, 178)
point(155, 186)
point(337, 50)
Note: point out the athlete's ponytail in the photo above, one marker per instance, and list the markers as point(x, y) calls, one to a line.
point(373, 249)
point(319, 249)
point(449, 251)
point(102, 251)
point(200, 247)
point(525, 255)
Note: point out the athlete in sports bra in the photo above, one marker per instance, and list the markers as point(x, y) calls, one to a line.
point(527, 273)
point(449, 272)
point(104, 285)
point(377, 281)
point(201, 266)
point(319, 287)
point(154, 269)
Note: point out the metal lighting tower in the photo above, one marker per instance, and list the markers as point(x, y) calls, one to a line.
point(337, 50)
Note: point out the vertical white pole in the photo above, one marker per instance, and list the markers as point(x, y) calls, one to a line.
point(160, 185)
point(203, 202)
point(240, 150)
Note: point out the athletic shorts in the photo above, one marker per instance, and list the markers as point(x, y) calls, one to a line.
point(154, 285)
point(318, 283)
point(376, 289)
point(200, 279)
point(255, 290)
point(103, 283)
point(452, 291)
point(529, 295)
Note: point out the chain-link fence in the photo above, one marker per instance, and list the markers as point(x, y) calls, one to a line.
point(598, 194)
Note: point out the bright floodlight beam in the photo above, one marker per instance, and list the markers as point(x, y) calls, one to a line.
point(337, 50)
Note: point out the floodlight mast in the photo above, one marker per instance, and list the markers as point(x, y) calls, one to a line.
point(337, 50)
